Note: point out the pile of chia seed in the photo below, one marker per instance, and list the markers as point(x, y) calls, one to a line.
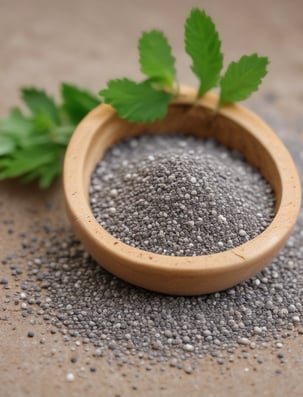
point(179, 195)
point(87, 305)
point(54, 279)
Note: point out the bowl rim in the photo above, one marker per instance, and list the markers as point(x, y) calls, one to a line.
point(252, 251)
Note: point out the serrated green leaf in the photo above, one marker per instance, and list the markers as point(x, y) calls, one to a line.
point(138, 102)
point(43, 162)
point(242, 78)
point(203, 45)
point(46, 173)
point(38, 133)
point(26, 160)
point(38, 101)
point(77, 102)
point(16, 125)
point(32, 147)
point(156, 58)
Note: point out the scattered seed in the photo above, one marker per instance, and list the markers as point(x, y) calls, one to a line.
point(64, 287)
point(4, 281)
point(70, 377)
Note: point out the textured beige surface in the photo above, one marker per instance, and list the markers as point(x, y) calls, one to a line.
point(45, 42)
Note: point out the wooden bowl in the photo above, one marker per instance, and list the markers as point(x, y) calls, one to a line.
point(233, 126)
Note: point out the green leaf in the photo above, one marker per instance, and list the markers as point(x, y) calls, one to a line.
point(43, 162)
point(7, 145)
point(203, 45)
point(30, 131)
point(138, 102)
point(42, 122)
point(77, 102)
point(26, 160)
point(62, 134)
point(32, 147)
point(242, 78)
point(39, 101)
point(46, 173)
point(17, 128)
point(50, 172)
point(156, 58)
point(16, 125)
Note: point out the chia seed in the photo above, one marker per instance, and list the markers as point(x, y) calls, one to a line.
point(70, 377)
point(79, 300)
point(89, 305)
point(179, 195)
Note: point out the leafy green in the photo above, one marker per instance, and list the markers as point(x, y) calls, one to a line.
point(7, 145)
point(203, 45)
point(156, 58)
point(15, 125)
point(138, 102)
point(61, 134)
point(77, 102)
point(27, 160)
point(242, 78)
point(32, 146)
point(39, 102)
point(41, 162)
point(148, 101)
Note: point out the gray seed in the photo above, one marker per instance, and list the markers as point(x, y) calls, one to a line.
point(155, 179)
point(70, 377)
point(4, 281)
point(80, 301)
point(188, 347)
point(243, 341)
point(187, 368)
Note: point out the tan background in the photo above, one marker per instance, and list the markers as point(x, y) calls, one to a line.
point(45, 42)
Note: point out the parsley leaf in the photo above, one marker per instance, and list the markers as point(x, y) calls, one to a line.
point(77, 102)
point(16, 125)
point(7, 145)
point(242, 78)
point(138, 102)
point(156, 58)
point(32, 146)
point(27, 160)
point(39, 102)
point(203, 45)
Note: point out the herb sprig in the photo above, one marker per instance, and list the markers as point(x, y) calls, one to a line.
point(33, 143)
point(148, 100)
